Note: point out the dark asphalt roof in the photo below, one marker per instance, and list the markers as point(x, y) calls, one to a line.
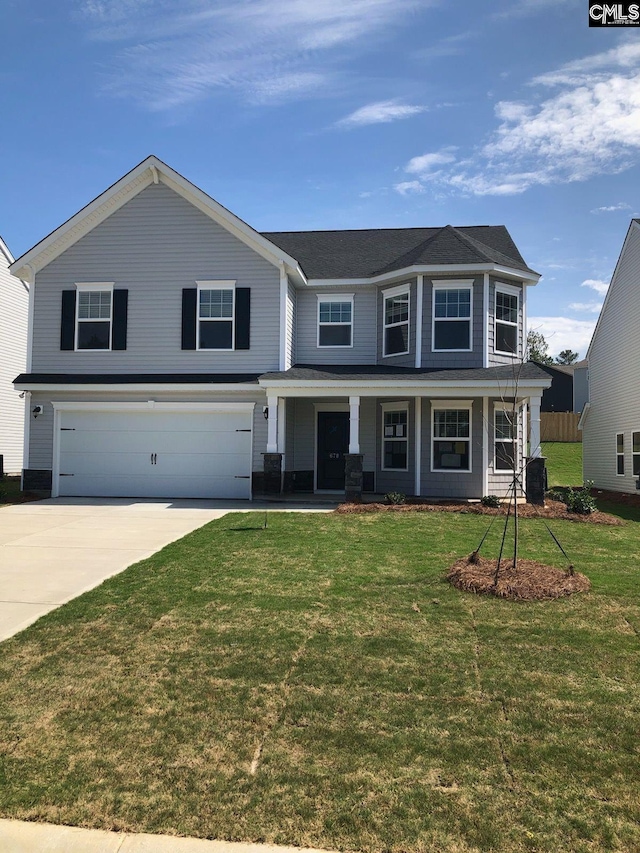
point(360, 373)
point(134, 378)
point(374, 251)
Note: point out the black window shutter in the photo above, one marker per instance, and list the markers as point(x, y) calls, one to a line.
point(189, 306)
point(243, 317)
point(68, 321)
point(119, 333)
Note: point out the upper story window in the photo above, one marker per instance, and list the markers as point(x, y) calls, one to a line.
point(506, 320)
point(451, 436)
point(396, 321)
point(216, 314)
point(94, 316)
point(395, 419)
point(335, 321)
point(452, 309)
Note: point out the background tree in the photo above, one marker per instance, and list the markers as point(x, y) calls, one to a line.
point(538, 348)
point(567, 356)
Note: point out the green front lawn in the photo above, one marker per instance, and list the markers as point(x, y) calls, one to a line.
point(318, 683)
point(564, 463)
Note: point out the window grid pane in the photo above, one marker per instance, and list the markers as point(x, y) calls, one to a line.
point(396, 309)
point(94, 305)
point(216, 304)
point(620, 453)
point(451, 423)
point(635, 443)
point(335, 312)
point(504, 426)
point(453, 304)
point(506, 307)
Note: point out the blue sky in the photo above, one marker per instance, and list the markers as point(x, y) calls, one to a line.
point(301, 114)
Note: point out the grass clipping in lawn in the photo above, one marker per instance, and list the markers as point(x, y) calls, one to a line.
point(529, 581)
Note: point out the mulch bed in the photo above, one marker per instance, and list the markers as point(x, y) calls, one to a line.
point(530, 581)
point(551, 510)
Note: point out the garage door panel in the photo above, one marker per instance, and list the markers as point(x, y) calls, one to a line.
point(109, 454)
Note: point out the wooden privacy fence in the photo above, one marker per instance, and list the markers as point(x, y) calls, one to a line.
point(559, 426)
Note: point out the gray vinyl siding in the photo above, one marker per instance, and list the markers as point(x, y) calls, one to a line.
point(614, 387)
point(446, 484)
point(363, 350)
point(453, 359)
point(292, 310)
point(14, 303)
point(41, 428)
point(495, 357)
point(408, 360)
point(154, 246)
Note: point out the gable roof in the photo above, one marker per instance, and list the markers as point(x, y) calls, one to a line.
point(150, 171)
point(376, 251)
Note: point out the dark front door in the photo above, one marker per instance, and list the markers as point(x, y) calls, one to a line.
point(333, 443)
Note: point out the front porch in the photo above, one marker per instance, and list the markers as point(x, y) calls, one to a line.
point(411, 436)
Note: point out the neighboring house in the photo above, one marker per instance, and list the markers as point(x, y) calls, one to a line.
point(611, 419)
point(559, 396)
point(580, 385)
point(177, 352)
point(14, 307)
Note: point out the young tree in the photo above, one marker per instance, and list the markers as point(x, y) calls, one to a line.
point(567, 356)
point(538, 348)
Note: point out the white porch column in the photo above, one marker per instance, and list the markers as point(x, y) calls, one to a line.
point(485, 445)
point(272, 425)
point(354, 424)
point(534, 439)
point(282, 426)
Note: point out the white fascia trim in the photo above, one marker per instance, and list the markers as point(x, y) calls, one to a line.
point(390, 389)
point(137, 388)
point(150, 405)
point(584, 415)
point(138, 179)
point(427, 269)
point(335, 297)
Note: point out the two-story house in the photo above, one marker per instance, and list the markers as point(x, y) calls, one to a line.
point(177, 352)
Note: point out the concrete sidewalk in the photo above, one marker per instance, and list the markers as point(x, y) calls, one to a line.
point(22, 837)
point(53, 550)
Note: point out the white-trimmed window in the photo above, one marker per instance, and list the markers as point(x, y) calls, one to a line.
point(396, 321)
point(395, 438)
point(620, 454)
point(335, 320)
point(635, 447)
point(451, 436)
point(452, 313)
point(505, 433)
point(506, 319)
point(216, 314)
point(94, 309)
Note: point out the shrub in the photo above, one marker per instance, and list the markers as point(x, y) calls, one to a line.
point(395, 498)
point(490, 500)
point(581, 500)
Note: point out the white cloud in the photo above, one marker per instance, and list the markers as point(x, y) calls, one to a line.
point(426, 163)
point(589, 125)
point(380, 112)
point(409, 187)
point(596, 284)
point(563, 333)
point(169, 54)
point(592, 307)
point(611, 208)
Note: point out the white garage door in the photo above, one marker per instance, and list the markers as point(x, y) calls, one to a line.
point(155, 454)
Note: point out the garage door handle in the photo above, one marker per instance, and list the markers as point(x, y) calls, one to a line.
point(154, 458)
point(242, 477)
point(243, 430)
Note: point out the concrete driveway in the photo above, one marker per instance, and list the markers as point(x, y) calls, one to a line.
point(53, 550)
